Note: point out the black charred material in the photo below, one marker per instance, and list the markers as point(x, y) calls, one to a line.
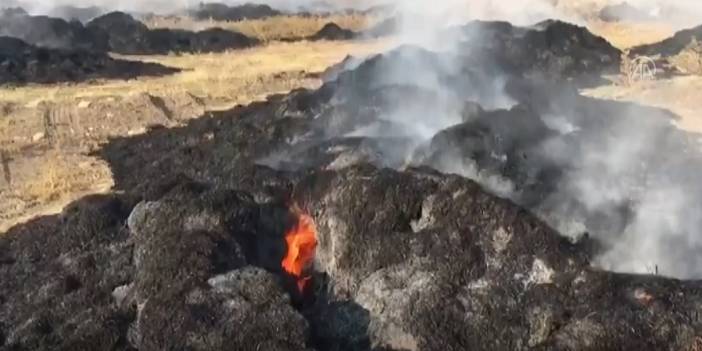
point(440, 265)
point(189, 256)
point(22, 63)
point(117, 32)
point(127, 35)
point(671, 46)
point(332, 31)
point(223, 12)
point(6, 171)
point(49, 32)
point(416, 260)
point(552, 48)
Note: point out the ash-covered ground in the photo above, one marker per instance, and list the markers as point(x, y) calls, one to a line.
point(469, 205)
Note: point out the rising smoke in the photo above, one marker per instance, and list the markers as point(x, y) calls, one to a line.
point(651, 216)
point(661, 234)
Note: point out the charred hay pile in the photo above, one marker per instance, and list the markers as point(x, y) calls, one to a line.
point(671, 46)
point(679, 54)
point(24, 63)
point(196, 253)
point(116, 32)
point(49, 32)
point(127, 35)
point(332, 31)
point(224, 12)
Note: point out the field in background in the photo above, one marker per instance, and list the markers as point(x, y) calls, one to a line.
point(268, 29)
point(48, 131)
point(625, 35)
point(221, 79)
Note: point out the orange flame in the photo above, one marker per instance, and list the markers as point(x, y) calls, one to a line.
point(301, 241)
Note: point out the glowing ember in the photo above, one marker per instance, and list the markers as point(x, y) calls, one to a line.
point(301, 241)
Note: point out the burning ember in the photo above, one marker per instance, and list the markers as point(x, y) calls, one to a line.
point(301, 242)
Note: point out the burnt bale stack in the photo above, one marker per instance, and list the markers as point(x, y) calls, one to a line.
point(24, 63)
point(49, 32)
point(130, 36)
point(332, 31)
point(223, 12)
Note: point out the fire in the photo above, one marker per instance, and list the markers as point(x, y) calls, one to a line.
point(301, 242)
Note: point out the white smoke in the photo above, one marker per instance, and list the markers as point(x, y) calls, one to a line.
point(661, 235)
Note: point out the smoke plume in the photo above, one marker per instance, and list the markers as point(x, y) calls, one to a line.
point(641, 203)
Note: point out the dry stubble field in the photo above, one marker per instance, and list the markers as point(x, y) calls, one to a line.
point(47, 132)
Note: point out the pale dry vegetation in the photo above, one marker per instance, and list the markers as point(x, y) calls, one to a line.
point(689, 60)
point(268, 29)
point(47, 173)
point(221, 79)
point(626, 35)
point(54, 179)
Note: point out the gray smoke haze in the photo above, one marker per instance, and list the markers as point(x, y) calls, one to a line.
point(662, 234)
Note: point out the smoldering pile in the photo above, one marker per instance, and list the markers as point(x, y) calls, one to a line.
point(407, 258)
point(50, 32)
point(223, 12)
point(117, 32)
point(671, 46)
point(126, 35)
point(23, 63)
point(41, 49)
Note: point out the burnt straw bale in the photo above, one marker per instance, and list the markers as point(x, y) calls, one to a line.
point(24, 63)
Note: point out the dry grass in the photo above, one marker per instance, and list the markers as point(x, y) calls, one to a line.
point(625, 35)
point(267, 29)
point(221, 79)
point(689, 61)
point(54, 179)
point(43, 182)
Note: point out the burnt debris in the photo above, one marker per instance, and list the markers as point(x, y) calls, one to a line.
point(332, 31)
point(412, 254)
point(50, 32)
point(130, 36)
point(116, 32)
point(223, 12)
point(22, 63)
point(671, 46)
